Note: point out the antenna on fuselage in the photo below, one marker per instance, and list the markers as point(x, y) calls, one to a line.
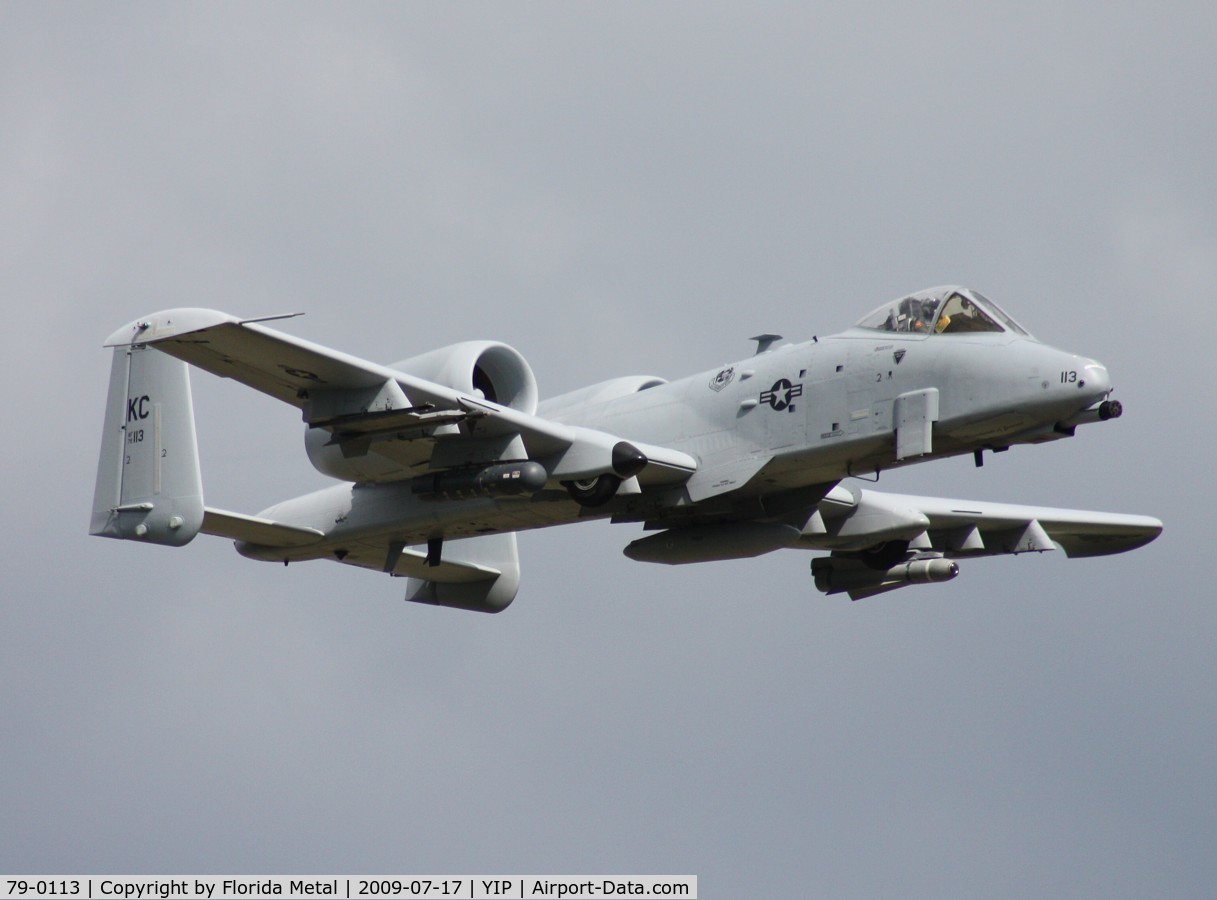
point(764, 342)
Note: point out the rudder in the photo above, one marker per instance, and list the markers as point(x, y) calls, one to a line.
point(149, 487)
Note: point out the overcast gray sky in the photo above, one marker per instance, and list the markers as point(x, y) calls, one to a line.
point(612, 189)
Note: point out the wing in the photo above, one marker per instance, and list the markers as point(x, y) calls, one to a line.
point(360, 402)
point(884, 541)
point(969, 528)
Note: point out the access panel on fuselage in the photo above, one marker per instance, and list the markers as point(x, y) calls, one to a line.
point(878, 371)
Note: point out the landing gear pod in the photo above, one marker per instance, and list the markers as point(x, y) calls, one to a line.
point(593, 492)
point(148, 483)
point(486, 580)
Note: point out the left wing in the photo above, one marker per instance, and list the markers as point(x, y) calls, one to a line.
point(353, 398)
point(884, 541)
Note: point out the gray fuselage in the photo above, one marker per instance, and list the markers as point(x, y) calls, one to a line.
point(776, 423)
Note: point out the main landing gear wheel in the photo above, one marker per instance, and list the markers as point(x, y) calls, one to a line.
point(592, 492)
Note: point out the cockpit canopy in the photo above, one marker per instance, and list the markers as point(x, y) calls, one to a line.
point(944, 310)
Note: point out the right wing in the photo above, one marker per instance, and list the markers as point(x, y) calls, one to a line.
point(882, 541)
point(965, 528)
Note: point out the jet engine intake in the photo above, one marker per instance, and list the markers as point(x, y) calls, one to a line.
point(488, 369)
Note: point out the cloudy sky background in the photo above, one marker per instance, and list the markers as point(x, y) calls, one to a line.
point(612, 189)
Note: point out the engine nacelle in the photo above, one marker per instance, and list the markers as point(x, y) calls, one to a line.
point(488, 369)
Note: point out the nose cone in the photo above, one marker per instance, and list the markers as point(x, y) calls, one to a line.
point(1094, 379)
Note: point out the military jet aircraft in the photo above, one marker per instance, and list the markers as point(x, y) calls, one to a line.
point(444, 456)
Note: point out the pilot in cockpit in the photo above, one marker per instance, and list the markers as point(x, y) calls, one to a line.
point(920, 314)
point(942, 311)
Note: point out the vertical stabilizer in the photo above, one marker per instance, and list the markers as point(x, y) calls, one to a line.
point(148, 483)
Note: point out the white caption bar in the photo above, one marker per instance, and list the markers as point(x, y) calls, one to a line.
point(406, 887)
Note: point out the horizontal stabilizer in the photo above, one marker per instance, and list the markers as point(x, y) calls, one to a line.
point(255, 530)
